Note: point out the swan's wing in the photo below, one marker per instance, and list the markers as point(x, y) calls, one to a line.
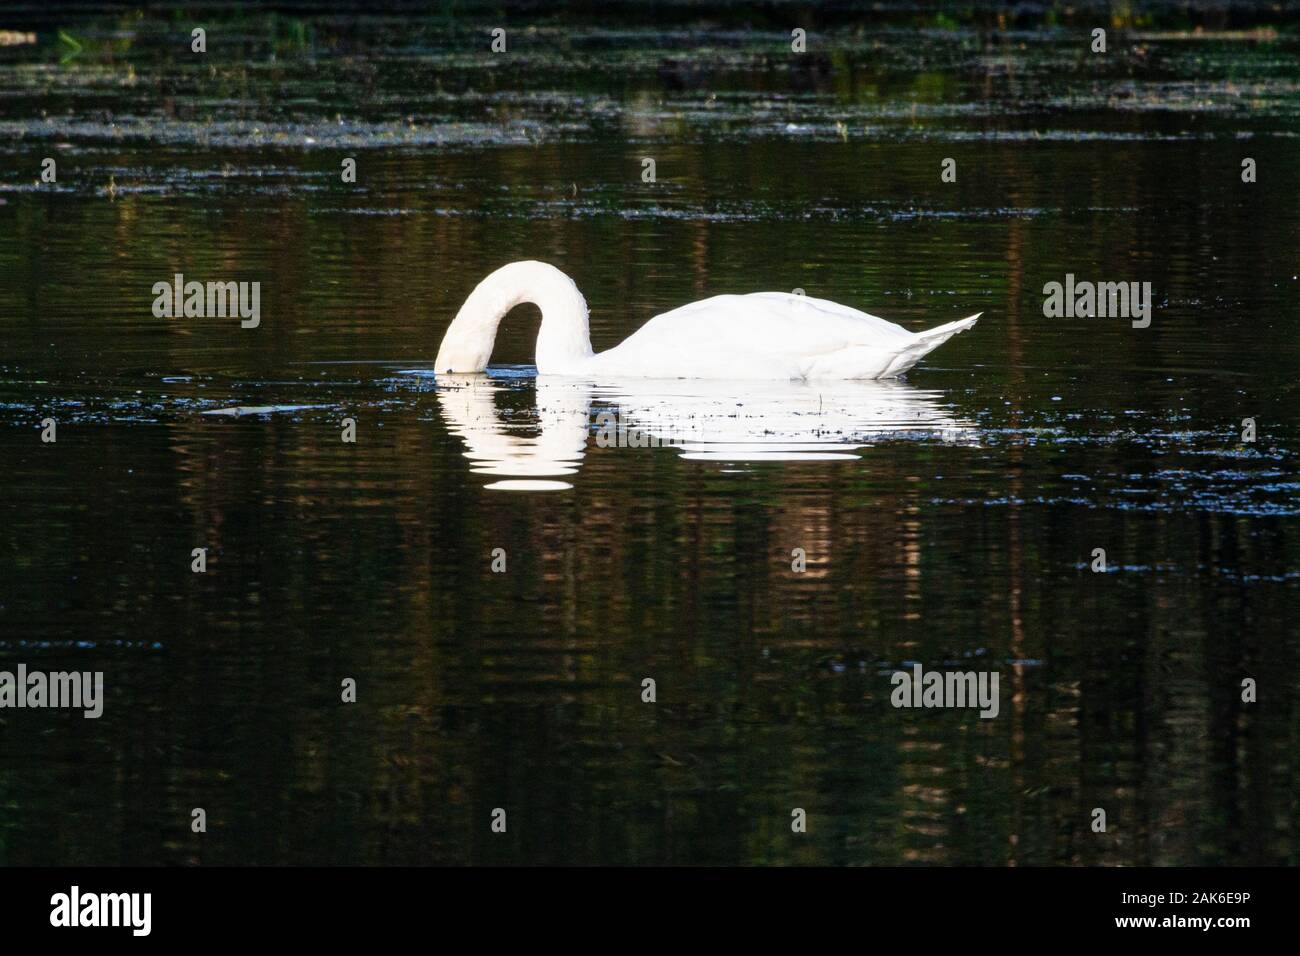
point(848, 321)
point(763, 335)
point(780, 320)
point(791, 319)
point(766, 335)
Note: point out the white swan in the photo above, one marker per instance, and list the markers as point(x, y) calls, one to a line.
point(764, 335)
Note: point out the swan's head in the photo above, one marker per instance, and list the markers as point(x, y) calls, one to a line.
point(562, 341)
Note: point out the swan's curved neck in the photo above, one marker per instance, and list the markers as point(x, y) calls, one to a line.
point(563, 341)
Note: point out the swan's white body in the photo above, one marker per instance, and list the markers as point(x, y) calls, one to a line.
point(764, 335)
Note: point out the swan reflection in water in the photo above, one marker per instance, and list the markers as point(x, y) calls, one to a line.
point(706, 420)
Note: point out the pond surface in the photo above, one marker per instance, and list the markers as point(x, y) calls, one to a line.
point(949, 520)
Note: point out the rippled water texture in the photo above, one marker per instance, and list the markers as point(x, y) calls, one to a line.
point(950, 519)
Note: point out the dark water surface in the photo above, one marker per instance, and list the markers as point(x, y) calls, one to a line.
point(948, 520)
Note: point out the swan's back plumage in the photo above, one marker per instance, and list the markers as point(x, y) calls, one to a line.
point(768, 335)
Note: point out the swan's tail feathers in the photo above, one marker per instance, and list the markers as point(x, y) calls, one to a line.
point(926, 342)
point(942, 333)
